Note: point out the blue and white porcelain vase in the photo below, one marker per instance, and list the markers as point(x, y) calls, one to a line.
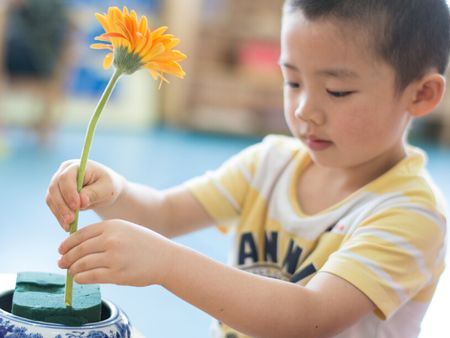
point(114, 324)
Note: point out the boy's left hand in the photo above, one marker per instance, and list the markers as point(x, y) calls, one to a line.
point(117, 252)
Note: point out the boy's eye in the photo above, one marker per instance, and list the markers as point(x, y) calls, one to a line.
point(339, 93)
point(291, 84)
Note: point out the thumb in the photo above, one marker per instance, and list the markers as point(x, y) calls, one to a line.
point(87, 198)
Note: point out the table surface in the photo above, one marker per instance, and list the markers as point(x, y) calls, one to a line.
point(8, 282)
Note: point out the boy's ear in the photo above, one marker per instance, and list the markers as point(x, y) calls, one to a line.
point(428, 93)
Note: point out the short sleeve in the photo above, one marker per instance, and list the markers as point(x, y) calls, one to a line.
point(392, 255)
point(240, 181)
point(222, 191)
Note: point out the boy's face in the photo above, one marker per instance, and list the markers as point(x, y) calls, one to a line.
point(340, 100)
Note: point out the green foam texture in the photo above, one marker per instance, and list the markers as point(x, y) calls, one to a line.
point(40, 296)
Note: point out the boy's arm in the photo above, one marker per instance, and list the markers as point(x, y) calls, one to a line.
point(123, 253)
point(172, 212)
point(265, 307)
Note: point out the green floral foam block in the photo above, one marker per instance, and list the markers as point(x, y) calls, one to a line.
point(40, 296)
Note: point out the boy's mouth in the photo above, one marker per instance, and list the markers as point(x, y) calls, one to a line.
point(316, 144)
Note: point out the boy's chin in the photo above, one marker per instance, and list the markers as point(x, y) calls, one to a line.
point(325, 159)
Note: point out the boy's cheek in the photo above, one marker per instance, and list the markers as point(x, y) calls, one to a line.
point(354, 126)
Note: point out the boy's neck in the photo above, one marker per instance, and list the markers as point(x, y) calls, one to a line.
point(319, 187)
point(354, 178)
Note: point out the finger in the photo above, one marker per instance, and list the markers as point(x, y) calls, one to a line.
point(94, 276)
point(55, 201)
point(85, 201)
point(89, 262)
point(89, 197)
point(86, 248)
point(66, 164)
point(63, 219)
point(80, 237)
point(54, 208)
point(89, 194)
point(67, 184)
point(58, 207)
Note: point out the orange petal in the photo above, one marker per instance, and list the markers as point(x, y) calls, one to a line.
point(165, 39)
point(172, 43)
point(113, 11)
point(173, 55)
point(178, 56)
point(142, 43)
point(159, 31)
point(125, 30)
point(107, 61)
point(133, 17)
point(114, 35)
point(114, 16)
point(162, 79)
point(154, 51)
point(103, 21)
point(101, 46)
point(153, 73)
point(172, 68)
point(143, 24)
point(167, 67)
point(102, 38)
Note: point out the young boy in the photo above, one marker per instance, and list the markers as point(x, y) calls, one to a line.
point(339, 230)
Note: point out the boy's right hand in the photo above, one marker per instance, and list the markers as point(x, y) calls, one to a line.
point(102, 186)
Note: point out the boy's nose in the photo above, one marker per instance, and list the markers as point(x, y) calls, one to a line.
point(308, 111)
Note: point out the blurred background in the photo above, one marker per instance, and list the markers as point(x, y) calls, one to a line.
point(50, 82)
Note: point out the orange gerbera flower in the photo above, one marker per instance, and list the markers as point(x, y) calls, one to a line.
point(133, 45)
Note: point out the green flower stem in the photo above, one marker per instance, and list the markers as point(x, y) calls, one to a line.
point(82, 169)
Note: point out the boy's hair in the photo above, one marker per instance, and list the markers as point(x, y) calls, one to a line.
point(413, 36)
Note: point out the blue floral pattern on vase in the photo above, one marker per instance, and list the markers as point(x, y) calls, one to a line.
point(116, 325)
point(9, 330)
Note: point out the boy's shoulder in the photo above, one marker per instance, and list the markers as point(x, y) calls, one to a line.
point(411, 179)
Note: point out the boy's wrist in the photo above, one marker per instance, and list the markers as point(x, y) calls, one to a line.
point(122, 191)
point(170, 263)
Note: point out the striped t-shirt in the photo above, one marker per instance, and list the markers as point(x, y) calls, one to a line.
point(387, 238)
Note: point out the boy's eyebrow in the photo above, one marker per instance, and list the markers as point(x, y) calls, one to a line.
point(331, 72)
point(287, 65)
point(338, 72)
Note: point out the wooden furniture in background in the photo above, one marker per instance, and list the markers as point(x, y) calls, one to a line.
point(233, 83)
